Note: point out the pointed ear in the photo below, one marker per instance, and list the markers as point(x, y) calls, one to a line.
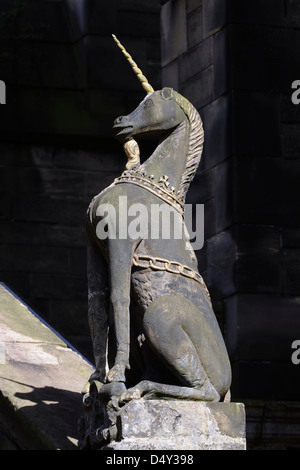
point(167, 93)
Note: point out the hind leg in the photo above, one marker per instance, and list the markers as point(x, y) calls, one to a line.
point(167, 322)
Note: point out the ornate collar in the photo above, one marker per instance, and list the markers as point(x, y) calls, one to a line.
point(161, 189)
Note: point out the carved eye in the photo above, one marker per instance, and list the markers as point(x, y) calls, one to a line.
point(148, 103)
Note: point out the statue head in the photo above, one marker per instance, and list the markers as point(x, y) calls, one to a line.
point(159, 112)
point(156, 114)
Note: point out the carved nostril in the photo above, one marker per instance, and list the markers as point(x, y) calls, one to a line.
point(118, 120)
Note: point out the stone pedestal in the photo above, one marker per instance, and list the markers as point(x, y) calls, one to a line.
point(180, 425)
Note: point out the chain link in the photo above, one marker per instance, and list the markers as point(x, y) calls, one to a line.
point(174, 267)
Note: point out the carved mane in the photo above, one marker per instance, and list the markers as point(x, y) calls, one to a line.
point(195, 142)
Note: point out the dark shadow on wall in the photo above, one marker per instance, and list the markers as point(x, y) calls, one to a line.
point(50, 421)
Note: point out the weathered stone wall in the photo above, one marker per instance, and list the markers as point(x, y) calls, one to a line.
point(190, 65)
point(266, 128)
point(236, 61)
point(66, 83)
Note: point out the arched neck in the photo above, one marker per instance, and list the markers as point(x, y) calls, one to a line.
point(169, 157)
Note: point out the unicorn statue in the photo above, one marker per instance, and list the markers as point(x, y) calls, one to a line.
point(153, 328)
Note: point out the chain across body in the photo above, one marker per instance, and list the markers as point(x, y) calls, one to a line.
point(174, 267)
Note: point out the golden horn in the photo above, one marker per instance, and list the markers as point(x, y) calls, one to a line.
point(145, 84)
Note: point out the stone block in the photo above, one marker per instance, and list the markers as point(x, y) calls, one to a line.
point(5, 205)
point(21, 233)
point(224, 184)
point(138, 5)
point(8, 152)
point(291, 271)
point(291, 237)
point(97, 181)
point(33, 156)
point(202, 187)
point(139, 24)
point(259, 333)
point(81, 158)
point(274, 381)
point(193, 4)
point(277, 68)
point(49, 181)
point(119, 74)
point(217, 119)
point(221, 252)
point(195, 60)
point(69, 112)
point(215, 15)
point(6, 178)
point(53, 65)
point(59, 317)
point(105, 105)
point(154, 49)
point(199, 89)
point(272, 425)
point(170, 75)
point(97, 17)
point(18, 281)
point(58, 286)
point(213, 188)
point(248, 57)
point(173, 30)
point(260, 273)
point(180, 425)
point(290, 113)
point(202, 261)
point(60, 235)
point(195, 27)
point(51, 22)
point(261, 327)
point(292, 13)
point(63, 112)
point(78, 261)
point(290, 140)
point(259, 12)
point(209, 218)
point(281, 420)
point(257, 124)
point(154, 74)
point(259, 259)
point(269, 192)
point(9, 112)
point(223, 77)
point(50, 208)
point(34, 258)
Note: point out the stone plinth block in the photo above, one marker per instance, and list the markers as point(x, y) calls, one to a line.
point(180, 425)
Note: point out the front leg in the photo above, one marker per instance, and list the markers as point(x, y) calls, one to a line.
point(98, 308)
point(120, 262)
